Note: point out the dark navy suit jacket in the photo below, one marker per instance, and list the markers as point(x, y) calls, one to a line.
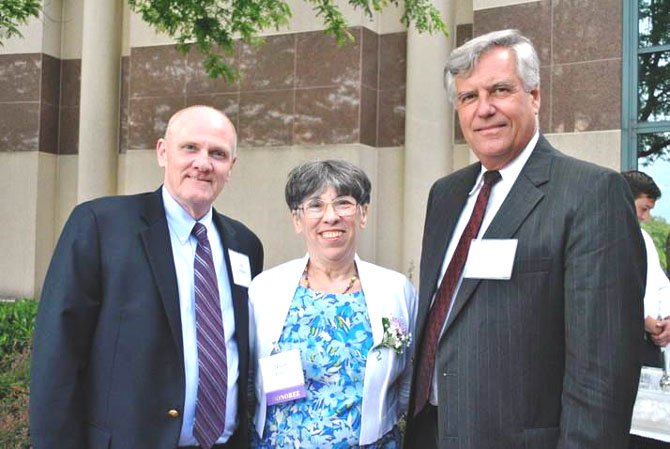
point(108, 363)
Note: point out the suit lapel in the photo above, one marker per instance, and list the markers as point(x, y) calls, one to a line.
point(518, 205)
point(156, 241)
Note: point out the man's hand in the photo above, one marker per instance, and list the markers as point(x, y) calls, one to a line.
point(659, 330)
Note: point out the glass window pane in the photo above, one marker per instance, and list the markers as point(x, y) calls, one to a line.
point(654, 160)
point(654, 22)
point(654, 86)
point(653, 147)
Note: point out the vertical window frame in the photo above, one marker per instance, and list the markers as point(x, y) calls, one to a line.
point(631, 128)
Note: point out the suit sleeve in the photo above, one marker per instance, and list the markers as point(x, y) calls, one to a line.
point(603, 290)
point(66, 320)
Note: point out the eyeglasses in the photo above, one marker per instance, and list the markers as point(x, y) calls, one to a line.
point(316, 208)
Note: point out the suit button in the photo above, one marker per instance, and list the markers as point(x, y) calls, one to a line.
point(173, 413)
point(444, 374)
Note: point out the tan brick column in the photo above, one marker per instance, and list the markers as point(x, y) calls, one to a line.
point(428, 130)
point(99, 104)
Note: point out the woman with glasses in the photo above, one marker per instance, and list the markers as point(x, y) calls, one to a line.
point(331, 334)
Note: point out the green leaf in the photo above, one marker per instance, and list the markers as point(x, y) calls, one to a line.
point(14, 13)
point(213, 26)
point(659, 230)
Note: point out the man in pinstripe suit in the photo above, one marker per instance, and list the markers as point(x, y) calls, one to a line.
point(540, 348)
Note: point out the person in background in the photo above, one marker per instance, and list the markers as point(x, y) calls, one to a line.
point(141, 339)
point(532, 271)
point(657, 293)
point(347, 324)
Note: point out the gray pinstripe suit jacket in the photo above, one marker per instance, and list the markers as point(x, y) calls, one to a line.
point(549, 358)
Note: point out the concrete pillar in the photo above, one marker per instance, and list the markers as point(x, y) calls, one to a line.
point(99, 104)
point(428, 130)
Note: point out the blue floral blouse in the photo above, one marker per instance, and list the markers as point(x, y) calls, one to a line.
point(333, 334)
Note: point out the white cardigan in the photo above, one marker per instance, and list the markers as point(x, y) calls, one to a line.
point(388, 294)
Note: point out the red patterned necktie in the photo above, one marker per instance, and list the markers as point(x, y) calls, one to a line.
point(438, 312)
point(210, 408)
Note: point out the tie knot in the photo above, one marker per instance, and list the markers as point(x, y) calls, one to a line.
point(199, 232)
point(491, 177)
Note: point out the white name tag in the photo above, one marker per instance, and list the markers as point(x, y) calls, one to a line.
point(239, 265)
point(283, 379)
point(490, 259)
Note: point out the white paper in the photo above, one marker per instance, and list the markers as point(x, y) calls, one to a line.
point(651, 413)
point(283, 378)
point(239, 265)
point(490, 259)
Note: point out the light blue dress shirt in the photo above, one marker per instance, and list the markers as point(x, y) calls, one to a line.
point(184, 244)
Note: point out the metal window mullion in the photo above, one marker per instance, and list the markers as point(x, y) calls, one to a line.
point(651, 127)
point(654, 49)
point(629, 101)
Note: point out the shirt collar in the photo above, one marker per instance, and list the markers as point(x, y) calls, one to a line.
point(181, 223)
point(511, 170)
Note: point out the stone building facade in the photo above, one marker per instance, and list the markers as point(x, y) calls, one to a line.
point(89, 88)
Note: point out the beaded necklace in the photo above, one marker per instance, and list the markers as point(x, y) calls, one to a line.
point(352, 281)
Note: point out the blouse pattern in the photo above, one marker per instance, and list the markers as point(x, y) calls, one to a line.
point(334, 336)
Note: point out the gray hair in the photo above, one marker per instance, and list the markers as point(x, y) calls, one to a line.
point(314, 177)
point(463, 59)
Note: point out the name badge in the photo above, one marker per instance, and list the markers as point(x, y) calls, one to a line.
point(239, 265)
point(490, 259)
point(283, 378)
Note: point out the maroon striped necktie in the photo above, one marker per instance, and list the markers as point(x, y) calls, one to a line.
point(438, 312)
point(210, 408)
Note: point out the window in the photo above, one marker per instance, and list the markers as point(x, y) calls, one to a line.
point(646, 102)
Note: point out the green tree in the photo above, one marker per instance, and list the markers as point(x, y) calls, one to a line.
point(213, 25)
point(14, 13)
point(654, 79)
point(658, 229)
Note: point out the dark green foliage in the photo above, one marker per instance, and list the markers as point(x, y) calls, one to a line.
point(17, 321)
point(14, 13)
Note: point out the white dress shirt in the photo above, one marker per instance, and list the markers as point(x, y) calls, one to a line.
point(509, 174)
point(657, 292)
point(184, 244)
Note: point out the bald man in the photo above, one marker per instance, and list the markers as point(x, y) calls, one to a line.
point(118, 360)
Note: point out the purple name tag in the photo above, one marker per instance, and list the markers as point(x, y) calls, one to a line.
point(286, 395)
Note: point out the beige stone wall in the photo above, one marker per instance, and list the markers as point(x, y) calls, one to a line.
point(66, 190)
point(19, 184)
point(600, 147)
point(255, 195)
point(71, 32)
point(46, 209)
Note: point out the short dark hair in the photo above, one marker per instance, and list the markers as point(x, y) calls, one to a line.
point(641, 184)
point(315, 176)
